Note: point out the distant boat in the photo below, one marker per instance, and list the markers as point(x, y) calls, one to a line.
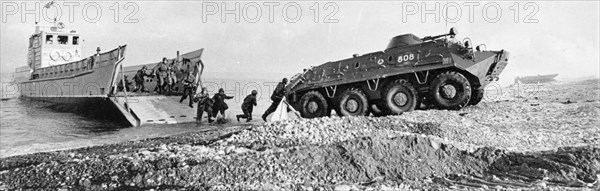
point(536, 79)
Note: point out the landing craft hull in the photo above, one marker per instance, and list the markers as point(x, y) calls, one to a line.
point(83, 86)
point(94, 83)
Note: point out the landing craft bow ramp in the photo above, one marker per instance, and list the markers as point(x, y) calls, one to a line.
point(149, 108)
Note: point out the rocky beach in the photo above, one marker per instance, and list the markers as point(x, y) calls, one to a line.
point(523, 137)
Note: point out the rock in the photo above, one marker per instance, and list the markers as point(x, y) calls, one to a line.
point(229, 149)
point(385, 188)
point(145, 152)
point(85, 182)
point(541, 184)
point(342, 188)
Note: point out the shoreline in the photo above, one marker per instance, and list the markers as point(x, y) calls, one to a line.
point(199, 159)
point(527, 144)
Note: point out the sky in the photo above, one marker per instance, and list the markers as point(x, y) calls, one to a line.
point(543, 37)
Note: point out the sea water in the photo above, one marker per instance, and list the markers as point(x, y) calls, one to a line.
point(34, 126)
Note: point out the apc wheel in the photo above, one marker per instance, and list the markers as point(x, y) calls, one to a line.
point(352, 102)
point(400, 96)
point(476, 95)
point(450, 90)
point(313, 104)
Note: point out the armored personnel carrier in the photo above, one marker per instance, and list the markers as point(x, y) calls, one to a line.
point(438, 71)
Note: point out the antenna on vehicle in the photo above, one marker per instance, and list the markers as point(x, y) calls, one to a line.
point(47, 6)
point(446, 20)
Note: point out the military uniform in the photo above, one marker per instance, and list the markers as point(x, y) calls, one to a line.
point(127, 84)
point(276, 97)
point(188, 89)
point(139, 80)
point(220, 105)
point(204, 105)
point(171, 78)
point(248, 106)
point(161, 70)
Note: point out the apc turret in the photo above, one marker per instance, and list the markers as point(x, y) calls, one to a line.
point(437, 71)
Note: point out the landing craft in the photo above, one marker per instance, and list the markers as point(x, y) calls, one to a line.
point(435, 70)
point(58, 72)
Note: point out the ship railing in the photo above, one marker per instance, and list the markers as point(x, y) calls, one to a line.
point(89, 63)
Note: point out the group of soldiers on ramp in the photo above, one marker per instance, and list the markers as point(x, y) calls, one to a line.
point(165, 73)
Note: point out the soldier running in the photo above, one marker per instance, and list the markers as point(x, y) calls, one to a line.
point(160, 70)
point(278, 94)
point(248, 106)
point(139, 80)
point(189, 87)
point(220, 105)
point(204, 105)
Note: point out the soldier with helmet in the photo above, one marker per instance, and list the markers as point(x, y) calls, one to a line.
point(160, 71)
point(220, 106)
point(205, 104)
point(189, 86)
point(247, 107)
point(276, 97)
point(139, 79)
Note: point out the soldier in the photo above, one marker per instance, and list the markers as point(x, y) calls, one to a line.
point(171, 76)
point(188, 89)
point(160, 70)
point(247, 107)
point(204, 105)
point(278, 94)
point(220, 105)
point(139, 79)
point(127, 84)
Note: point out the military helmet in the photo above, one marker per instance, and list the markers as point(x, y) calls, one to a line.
point(254, 92)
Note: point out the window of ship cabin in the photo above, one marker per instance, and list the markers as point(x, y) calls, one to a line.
point(75, 40)
point(63, 39)
point(49, 39)
point(30, 42)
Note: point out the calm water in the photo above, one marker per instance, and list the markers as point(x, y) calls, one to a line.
point(32, 126)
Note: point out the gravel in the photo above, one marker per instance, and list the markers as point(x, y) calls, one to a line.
point(521, 144)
